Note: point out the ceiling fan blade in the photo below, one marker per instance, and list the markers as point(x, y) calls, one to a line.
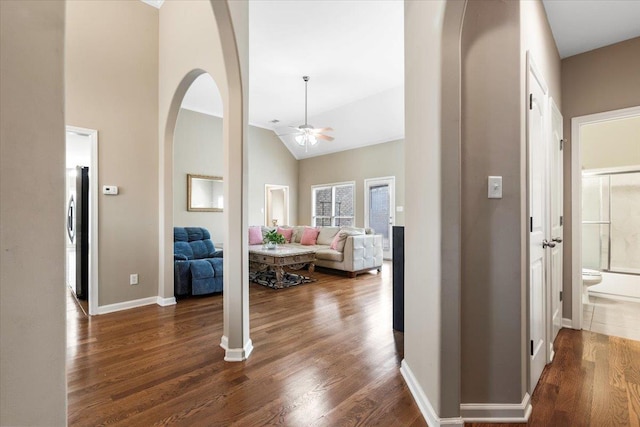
point(325, 137)
point(324, 130)
point(287, 134)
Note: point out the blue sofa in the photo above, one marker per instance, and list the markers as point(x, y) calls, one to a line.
point(197, 263)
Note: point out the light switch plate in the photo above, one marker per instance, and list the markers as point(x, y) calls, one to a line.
point(495, 187)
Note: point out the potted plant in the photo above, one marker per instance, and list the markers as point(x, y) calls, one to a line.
point(272, 239)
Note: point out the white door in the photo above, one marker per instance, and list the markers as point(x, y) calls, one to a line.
point(555, 225)
point(536, 141)
point(379, 203)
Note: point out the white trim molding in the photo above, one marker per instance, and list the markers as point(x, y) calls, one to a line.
point(235, 354)
point(93, 288)
point(422, 400)
point(125, 305)
point(497, 412)
point(567, 323)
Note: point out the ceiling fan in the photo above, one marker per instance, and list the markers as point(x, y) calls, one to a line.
point(307, 134)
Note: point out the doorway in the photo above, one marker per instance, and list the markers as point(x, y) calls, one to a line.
point(379, 206)
point(81, 219)
point(602, 186)
point(276, 201)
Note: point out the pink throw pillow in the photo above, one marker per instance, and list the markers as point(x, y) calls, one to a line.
point(286, 233)
point(309, 236)
point(255, 235)
point(334, 243)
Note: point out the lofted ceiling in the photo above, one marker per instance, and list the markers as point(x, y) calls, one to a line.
point(353, 52)
point(582, 25)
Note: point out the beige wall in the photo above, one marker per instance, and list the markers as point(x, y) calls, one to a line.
point(197, 149)
point(423, 307)
point(491, 238)
point(32, 140)
point(495, 39)
point(610, 144)
point(375, 161)
point(111, 76)
point(270, 162)
point(189, 45)
point(601, 80)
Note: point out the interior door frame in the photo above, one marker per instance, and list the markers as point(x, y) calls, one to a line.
point(92, 134)
point(552, 144)
point(392, 204)
point(576, 202)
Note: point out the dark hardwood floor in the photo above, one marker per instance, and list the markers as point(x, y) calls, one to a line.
point(325, 355)
point(594, 380)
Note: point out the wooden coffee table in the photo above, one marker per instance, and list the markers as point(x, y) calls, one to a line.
point(277, 259)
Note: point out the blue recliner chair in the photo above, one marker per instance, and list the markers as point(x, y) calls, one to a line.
point(197, 263)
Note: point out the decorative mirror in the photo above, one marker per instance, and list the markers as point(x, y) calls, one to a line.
point(204, 193)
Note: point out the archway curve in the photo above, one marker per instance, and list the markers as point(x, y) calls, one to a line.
point(235, 339)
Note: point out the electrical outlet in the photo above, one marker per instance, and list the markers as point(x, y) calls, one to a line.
point(133, 279)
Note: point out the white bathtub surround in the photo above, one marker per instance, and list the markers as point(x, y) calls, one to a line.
point(614, 318)
point(619, 287)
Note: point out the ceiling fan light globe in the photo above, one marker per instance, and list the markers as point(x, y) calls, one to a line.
point(313, 140)
point(300, 140)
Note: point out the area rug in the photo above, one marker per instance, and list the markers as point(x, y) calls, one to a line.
point(268, 279)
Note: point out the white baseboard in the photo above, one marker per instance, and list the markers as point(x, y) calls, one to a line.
point(235, 354)
point(125, 305)
point(163, 302)
point(567, 323)
point(497, 412)
point(421, 399)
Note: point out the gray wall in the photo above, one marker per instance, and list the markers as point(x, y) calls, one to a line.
point(601, 80)
point(111, 60)
point(32, 164)
point(197, 149)
point(375, 161)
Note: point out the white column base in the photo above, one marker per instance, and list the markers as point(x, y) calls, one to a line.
point(497, 412)
point(163, 302)
point(236, 354)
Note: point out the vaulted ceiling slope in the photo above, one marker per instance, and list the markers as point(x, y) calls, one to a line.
point(353, 51)
point(579, 26)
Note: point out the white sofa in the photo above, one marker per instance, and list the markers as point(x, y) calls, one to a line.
point(360, 250)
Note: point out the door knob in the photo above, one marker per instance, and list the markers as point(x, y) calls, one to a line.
point(556, 239)
point(546, 244)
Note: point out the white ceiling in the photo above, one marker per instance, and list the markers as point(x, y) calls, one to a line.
point(353, 52)
point(582, 25)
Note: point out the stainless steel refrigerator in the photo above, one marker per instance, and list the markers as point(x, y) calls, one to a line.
point(78, 231)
